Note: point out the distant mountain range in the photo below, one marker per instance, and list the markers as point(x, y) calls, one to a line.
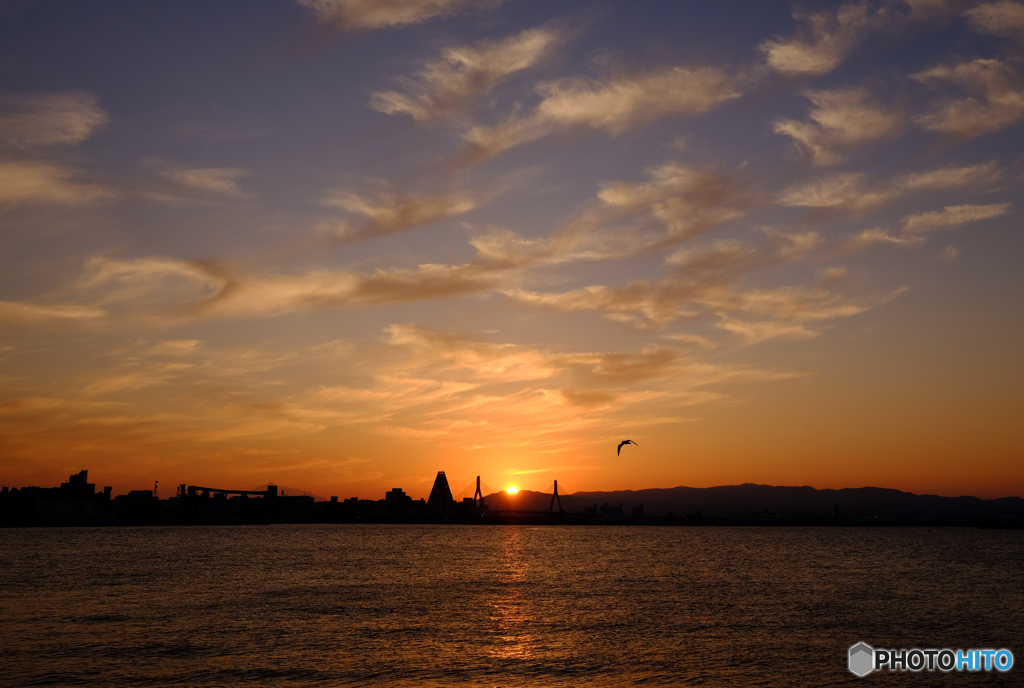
point(793, 502)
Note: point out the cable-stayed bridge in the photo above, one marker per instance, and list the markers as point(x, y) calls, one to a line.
point(552, 501)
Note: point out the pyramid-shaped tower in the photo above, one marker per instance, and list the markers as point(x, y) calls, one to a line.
point(440, 504)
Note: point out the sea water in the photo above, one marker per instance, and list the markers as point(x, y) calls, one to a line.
point(430, 605)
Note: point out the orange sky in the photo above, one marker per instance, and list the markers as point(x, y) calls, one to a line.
point(499, 240)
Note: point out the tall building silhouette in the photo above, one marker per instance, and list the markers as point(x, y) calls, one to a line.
point(440, 504)
point(78, 486)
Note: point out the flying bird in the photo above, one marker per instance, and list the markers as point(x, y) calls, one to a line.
point(619, 449)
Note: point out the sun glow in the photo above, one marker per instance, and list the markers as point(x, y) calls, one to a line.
point(512, 489)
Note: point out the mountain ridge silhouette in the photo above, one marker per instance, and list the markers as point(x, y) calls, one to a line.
point(753, 498)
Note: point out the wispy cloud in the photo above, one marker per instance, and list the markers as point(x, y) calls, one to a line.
point(380, 14)
point(995, 98)
point(586, 379)
point(756, 332)
point(251, 295)
point(500, 249)
point(685, 201)
point(34, 313)
point(482, 360)
point(642, 304)
point(654, 304)
point(612, 105)
point(952, 215)
point(421, 386)
point(999, 18)
point(218, 181)
point(619, 104)
point(445, 85)
point(594, 375)
point(800, 304)
point(842, 120)
point(49, 119)
point(392, 392)
point(675, 204)
point(844, 190)
point(460, 386)
point(949, 254)
point(733, 256)
point(168, 290)
point(913, 226)
point(390, 210)
point(174, 347)
point(147, 282)
point(702, 275)
point(161, 289)
point(136, 377)
point(690, 340)
point(588, 398)
point(950, 177)
point(823, 40)
point(876, 236)
point(851, 190)
point(387, 209)
point(40, 182)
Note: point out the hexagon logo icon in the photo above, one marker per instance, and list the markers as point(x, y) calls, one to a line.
point(862, 659)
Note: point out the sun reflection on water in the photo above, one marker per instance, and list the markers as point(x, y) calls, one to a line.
point(509, 609)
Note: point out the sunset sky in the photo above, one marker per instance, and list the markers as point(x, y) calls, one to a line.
point(343, 244)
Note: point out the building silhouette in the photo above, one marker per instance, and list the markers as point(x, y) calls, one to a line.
point(440, 504)
point(76, 502)
point(398, 503)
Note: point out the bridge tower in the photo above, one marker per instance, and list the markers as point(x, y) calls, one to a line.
point(556, 498)
point(478, 496)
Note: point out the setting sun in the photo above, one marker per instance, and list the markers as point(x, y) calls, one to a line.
point(732, 285)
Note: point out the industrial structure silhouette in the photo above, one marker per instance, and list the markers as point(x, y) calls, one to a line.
point(78, 503)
